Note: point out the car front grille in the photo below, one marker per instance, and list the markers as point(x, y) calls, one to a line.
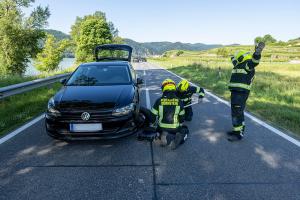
point(110, 123)
point(94, 115)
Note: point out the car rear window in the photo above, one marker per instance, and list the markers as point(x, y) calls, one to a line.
point(113, 55)
point(94, 75)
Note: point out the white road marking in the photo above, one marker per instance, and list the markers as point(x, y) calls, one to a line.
point(260, 122)
point(148, 104)
point(22, 128)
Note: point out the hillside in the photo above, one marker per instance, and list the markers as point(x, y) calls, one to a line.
point(158, 48)
point(148, 48)
point(295, 42)
point(271, 53)
point(58, 34)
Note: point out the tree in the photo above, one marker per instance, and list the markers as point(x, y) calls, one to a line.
point(19, 36)
point(258, 40)
point(114, 31)
point(52, 54)
point(268, 39)
point(90, 31)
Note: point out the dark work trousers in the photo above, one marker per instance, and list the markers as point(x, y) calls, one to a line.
point(188, 113)
point(238, 104)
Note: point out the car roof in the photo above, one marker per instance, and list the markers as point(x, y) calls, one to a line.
point(106, 63)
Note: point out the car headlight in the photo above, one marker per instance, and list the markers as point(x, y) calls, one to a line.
point(51, 108)
point(124, 110)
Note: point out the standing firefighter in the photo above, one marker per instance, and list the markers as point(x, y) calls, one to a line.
point(240, 84)
point(185, 92)
point(169, 111)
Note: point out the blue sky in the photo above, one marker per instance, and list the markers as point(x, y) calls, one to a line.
point(205, 21)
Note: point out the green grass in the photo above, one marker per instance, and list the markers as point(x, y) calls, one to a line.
point(275, 95)
point(11, 80)
point(15, 79)
point(18, 109)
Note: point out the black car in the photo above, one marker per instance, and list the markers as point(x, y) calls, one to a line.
point(99, 100)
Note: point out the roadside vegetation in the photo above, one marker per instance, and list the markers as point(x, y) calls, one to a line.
point(52, 54)
point(275, 95)
point(18, 109)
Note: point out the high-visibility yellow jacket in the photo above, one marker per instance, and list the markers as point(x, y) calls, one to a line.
point(169, 110)
point(243, 73)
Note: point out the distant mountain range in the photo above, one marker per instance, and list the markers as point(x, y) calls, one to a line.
point(148, 48)
point(158, 48)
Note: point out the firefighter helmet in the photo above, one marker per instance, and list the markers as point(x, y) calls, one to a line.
point(183, 85)
point(168, 84)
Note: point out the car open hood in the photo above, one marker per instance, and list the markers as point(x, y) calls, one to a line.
point(109, 52)
point(95, 97)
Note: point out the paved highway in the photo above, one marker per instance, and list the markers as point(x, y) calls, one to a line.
point(263, 166)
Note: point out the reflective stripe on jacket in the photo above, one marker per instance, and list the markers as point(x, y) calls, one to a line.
point(243, 74)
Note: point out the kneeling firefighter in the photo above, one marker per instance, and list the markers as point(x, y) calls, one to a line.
point(240, 84)
point(169, 112)
point(185, 92)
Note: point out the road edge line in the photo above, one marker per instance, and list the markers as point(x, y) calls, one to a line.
point(21, 128)
point(255, 119)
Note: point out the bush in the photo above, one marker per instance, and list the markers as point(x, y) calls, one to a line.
point(179, 53)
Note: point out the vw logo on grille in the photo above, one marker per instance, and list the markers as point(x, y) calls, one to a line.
point(85, 116)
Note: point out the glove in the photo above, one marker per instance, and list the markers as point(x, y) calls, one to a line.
point(259, 48)
point(201, 93)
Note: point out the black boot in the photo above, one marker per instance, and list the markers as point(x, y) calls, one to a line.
point(165, 139)
point(179, 139)
point(235, 135)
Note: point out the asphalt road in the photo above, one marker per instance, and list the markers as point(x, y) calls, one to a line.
point(207, 166)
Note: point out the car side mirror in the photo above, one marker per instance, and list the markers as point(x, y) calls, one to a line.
point(63, 81)
point(139, 81)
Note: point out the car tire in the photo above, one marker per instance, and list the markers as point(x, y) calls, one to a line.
point(136, 112)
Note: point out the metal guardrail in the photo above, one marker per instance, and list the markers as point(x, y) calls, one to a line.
point(30, 85)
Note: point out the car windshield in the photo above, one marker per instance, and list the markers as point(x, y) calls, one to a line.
point(94, 75)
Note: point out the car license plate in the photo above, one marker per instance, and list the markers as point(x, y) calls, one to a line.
point(86, 127)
